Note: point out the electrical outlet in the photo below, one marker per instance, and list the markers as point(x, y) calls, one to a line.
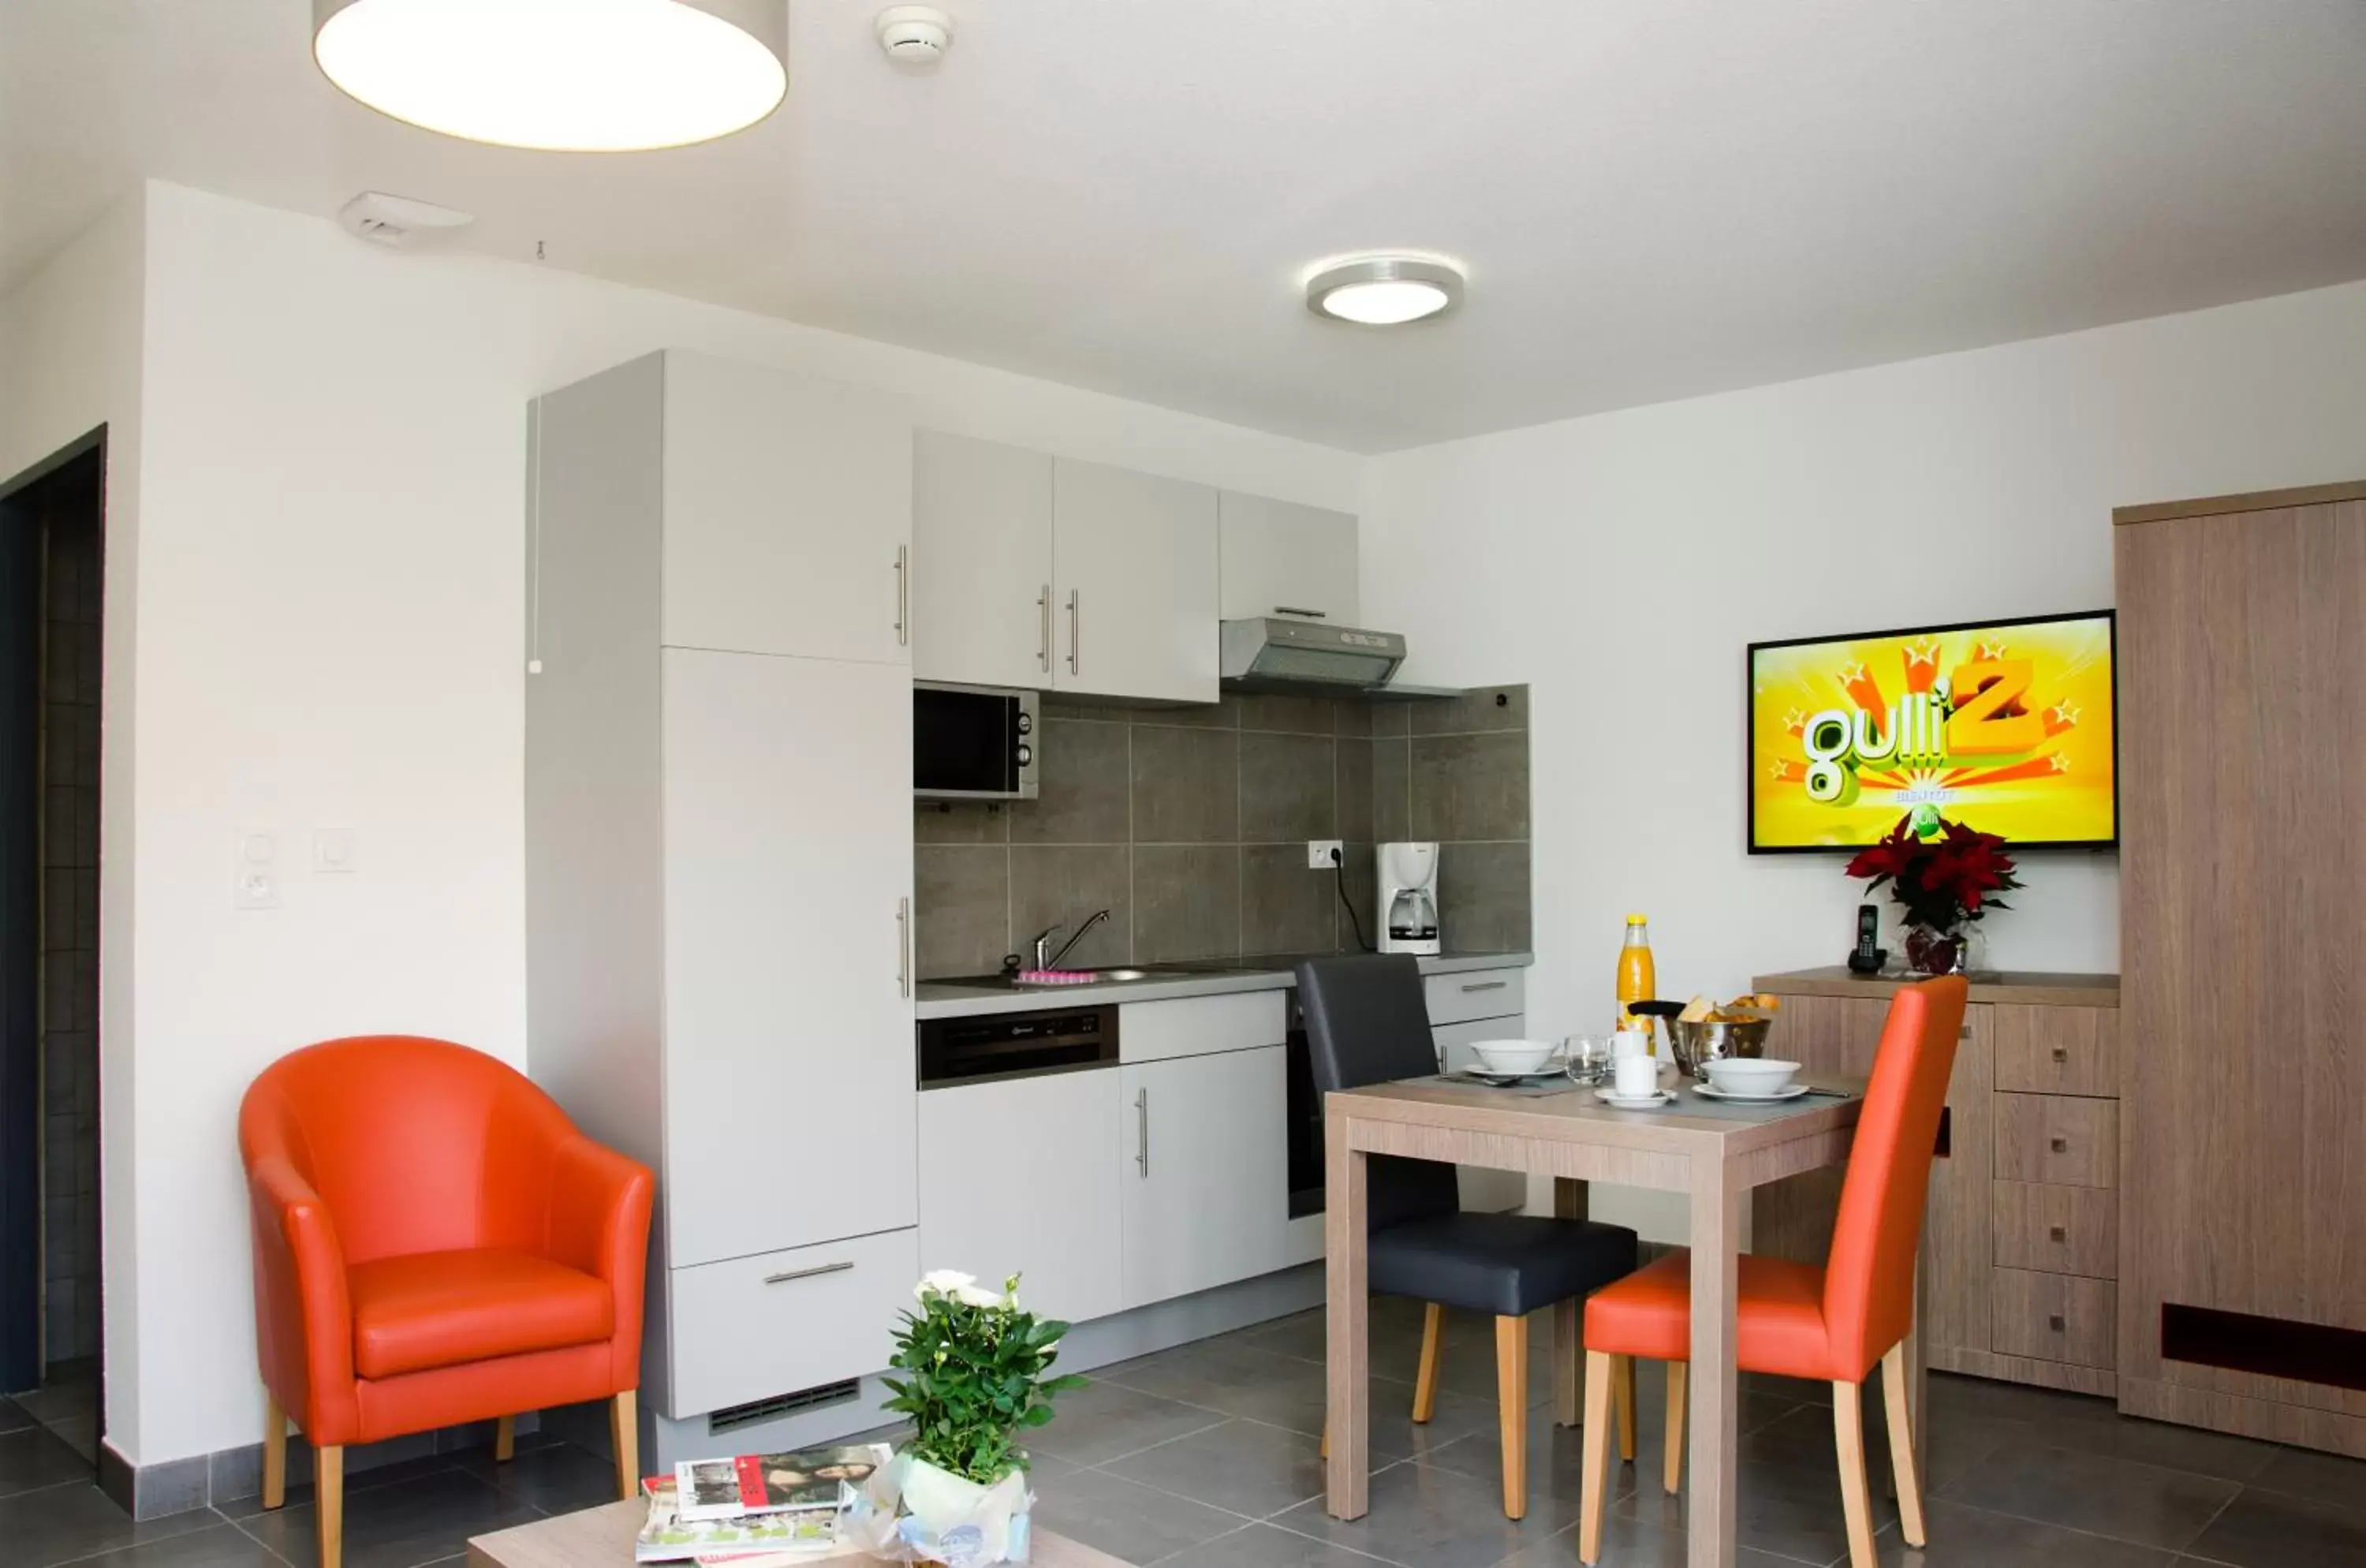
point(255, 870)
point(1321, 854)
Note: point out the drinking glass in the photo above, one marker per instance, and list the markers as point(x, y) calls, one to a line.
point(1587, 1057)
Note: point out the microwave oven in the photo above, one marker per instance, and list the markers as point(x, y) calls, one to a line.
point(972, 742)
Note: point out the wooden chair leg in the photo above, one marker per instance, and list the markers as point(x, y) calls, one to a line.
point(275, 1452)
point(1595, 1500)
point(1433, 1347)
point(328, 1502)
point(1902, 1446)
point(1848, 1438)
point(624, 1432)
point(1671, 1465)
point(1512, 1411)
point(504, 1439)
point(1627, 1409)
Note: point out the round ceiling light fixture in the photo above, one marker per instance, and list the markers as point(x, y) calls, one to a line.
point(560, 75)
point(1385, 291)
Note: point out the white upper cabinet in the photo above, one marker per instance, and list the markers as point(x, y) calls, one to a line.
point(981, 562)
point(788, 513)
point(1133, 584)
point(788, 982)
point(1281, 557)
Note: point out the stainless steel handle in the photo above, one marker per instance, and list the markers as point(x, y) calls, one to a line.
point(904, 595)
point(2058, 1233)
point(2054, 1321)
point(807, 1273)
point(902, 947)
point(2061, 1145)
point(1075, 597)
point(1486, 985)
point(1044, 609)
point(1294, 610)
point(1142, 1128)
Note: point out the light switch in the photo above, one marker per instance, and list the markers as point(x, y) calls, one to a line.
point(255, 872)
point(336, 851)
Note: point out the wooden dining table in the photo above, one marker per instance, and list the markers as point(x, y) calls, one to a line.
point(1716, 1152)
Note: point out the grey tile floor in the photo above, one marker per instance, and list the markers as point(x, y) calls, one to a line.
point(1205, 1457)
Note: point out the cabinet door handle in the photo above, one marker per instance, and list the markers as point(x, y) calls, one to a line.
point(1142, 1128)
point(2054, 1321)
point(1075, 597)
point(1294, 610)
point(2061, 1053)
point(903, 595)
point(1043, 610)
point(1965, 1032)
point(902, 947)
point(2061, 1145)
point(1486, 985)
point(807, 1273)
point(2058, 1233)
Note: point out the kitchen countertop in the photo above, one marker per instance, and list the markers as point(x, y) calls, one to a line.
point(943, 998)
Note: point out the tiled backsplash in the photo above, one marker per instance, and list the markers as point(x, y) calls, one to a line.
point(1189, 826)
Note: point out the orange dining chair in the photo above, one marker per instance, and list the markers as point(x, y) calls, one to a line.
point(435, 1243)
point(1795, 1320)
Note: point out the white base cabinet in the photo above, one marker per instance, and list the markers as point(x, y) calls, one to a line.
point(1484, 1004)
point(1016, 1178)
point(1204, 1178)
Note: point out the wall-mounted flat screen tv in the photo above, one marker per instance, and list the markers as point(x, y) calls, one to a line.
point(2008, 726)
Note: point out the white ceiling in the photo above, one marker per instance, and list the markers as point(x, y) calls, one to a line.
point(1654, 198)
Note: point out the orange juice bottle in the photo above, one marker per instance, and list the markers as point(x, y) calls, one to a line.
point(1636, 981)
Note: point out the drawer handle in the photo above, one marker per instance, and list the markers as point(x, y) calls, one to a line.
point(2061, 1053)
point(1965, 1032)
point(2054, 1321)
point(2061, 1145)
point(807, 1273)
point(2058, 1233)
point(1486, 985)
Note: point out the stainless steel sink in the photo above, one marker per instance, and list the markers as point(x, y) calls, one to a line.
point(1116, 975)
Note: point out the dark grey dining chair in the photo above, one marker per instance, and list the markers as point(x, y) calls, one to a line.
point(1367, 1022)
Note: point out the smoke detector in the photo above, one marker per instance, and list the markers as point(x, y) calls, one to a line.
point(914, 35)
point(397, 220)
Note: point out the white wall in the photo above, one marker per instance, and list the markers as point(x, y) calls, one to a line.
point(1619, 564)
point(69, 362)
point(332, 575)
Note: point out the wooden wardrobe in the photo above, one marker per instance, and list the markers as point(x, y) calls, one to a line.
point(2242, 698)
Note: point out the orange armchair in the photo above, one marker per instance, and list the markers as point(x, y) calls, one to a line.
point(435, 1243)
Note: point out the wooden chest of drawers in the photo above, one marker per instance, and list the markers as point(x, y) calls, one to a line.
point(2021, 1236)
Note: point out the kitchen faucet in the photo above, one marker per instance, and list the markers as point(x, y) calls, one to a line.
point(1044, 940)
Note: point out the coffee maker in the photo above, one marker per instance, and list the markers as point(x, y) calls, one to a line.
point(1408, 900)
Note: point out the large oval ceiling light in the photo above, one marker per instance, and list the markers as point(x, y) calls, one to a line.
point(560, 75)
point(1384, 291)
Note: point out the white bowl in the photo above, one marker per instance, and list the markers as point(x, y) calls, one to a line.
point(1508, 1056)
point(1751, 1075)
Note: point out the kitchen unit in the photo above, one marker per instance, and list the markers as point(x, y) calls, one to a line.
point(1279, 558)
point(718, 878)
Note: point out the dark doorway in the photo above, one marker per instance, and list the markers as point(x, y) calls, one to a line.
point(52, 555)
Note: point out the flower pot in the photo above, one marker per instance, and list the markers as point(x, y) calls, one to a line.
point(1929, 951)
point(939, 1498)
point(959, 1522)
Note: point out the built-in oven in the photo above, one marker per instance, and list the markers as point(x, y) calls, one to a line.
point(1016, 1045)
point(972, 742)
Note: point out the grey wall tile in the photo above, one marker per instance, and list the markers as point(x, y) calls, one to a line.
point(1188, 902)
point(1058, 706)
point(1286, 907)
point(1186, 785)
point(1081, 797)
point(1470, 787)
point(1480, 708)
point(1392, 719)
point(1353, 715)
point(1392, 791)
point(1355, 786)
point(961, 898)
point(1288, 788)
point(1062, 885)
point(960, 822)
point(1290, 715)
point(1482, 897)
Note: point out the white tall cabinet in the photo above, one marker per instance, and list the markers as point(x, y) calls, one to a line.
point(719, 849)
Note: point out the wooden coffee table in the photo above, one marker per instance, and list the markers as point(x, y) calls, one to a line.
point(602, 1537)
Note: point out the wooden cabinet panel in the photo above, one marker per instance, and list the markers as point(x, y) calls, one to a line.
point(2057, 1230)
point(2058, 1139)
point(2054, 1317)
point(2046, 1050)
point(981, 561)
point(1958, 1250)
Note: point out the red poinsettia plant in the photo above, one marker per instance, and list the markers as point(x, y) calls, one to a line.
point(1945, 874)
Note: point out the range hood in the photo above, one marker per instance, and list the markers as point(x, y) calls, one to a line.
point(1276, 655)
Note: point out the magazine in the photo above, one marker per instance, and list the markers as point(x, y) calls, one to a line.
point(752, 1540)
point(809, 1481)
